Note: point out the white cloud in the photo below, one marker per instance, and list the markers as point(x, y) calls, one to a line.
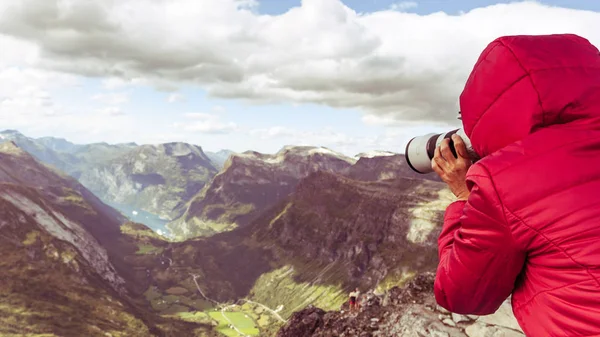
point(404, 5)
point(17, 51)
point(391, 120)
point(113, 83)
point(112, 111)
point(175, 98)
point(321, 137)
point(338, 58)
point(32, 101)
point(393, 140)
point(26, 95)
point(206, 123)
point(111, 98)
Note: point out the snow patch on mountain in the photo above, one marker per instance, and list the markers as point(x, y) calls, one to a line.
point(324, 150)
point(290, 150)
point(373, 154)
point(277, 159)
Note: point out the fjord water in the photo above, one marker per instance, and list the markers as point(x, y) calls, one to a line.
point(140, 216)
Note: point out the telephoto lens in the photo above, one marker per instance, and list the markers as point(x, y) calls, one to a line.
point(420, 150)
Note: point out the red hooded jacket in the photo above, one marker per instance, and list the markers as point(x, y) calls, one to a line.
point(531, 226)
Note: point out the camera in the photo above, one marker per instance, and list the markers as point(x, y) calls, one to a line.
point(420, 150)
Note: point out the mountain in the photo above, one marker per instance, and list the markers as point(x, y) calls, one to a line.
point(219, 158)
point(171, 176)
point(63, 266)
point(325, 235)
point(411, 312)
point(64, 155)
point(385, 165)
point(251, 182)
point(159, 179)
point(248, 184)
point(61, 161)
point(99, 153)
point(330, 217)
point(309, 224)
point(368, 234)
point(58, 144)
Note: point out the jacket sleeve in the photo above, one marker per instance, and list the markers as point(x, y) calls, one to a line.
point(479, 258)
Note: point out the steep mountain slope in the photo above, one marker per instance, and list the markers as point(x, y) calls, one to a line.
point(158, 179)
point(384, 165)
point(250, 183)
point(64, 272)
point(53, 282)
point(19, 169)
point(219, 158)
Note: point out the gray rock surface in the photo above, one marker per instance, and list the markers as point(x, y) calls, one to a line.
point(408, 313)
point(503, 317)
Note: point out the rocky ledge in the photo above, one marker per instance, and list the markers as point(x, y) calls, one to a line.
point(408, 312)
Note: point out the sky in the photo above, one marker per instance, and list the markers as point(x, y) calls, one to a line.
point(350, 75)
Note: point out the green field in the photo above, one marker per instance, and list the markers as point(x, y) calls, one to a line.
point(239, 319)
point(250, 319)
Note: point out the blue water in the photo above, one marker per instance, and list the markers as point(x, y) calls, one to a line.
point(140, 216)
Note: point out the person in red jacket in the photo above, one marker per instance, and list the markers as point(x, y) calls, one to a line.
point(527, 218)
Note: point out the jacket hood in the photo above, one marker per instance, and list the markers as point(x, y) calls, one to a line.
point(521, 84)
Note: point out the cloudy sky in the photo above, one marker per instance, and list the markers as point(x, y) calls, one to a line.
point(352, 75)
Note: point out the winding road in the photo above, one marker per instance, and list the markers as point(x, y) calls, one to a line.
point(230, 322)
point(201, 292)
point(268, 309)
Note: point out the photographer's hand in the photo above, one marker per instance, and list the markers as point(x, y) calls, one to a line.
point(451, 169)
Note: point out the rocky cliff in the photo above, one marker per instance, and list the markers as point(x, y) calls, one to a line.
point(159, 179)
point(250, 183)
point(409, 312)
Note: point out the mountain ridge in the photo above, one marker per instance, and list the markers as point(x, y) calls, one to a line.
point(159, 179)
point(249, 183)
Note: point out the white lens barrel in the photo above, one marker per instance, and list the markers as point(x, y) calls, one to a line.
point(416, 154)
point(420, 150)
